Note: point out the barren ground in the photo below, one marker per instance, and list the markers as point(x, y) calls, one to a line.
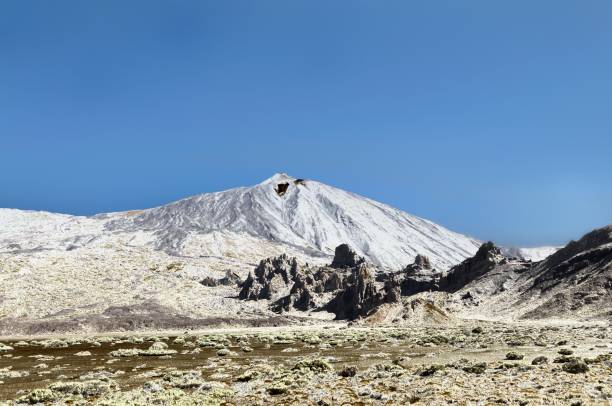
point(333, 364)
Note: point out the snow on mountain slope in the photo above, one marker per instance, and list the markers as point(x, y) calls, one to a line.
point(307, 215)
point(534, 254)
point(69, 270)
point(23, 230)
point(306, 218)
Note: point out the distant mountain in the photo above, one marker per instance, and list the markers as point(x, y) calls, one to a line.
point(281, 214)
point(531, 254)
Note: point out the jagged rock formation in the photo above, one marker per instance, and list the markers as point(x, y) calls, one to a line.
point(599, 238)
point(309, 284)
point(349, 280)
point(422, 262)
point(345, 257)
point(574, 282)
point(576, 279)
point(360, 296)
point(418, 277)
point(301, 297)
point(487, 257)
point(271, 279)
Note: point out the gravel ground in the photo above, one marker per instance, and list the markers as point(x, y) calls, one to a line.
point(476, 363)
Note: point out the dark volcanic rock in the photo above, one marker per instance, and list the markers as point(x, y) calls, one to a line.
point(567, 269)
point(573, 283)
point(345, 257)
point(361, 296)
point(577, 279)
point(356, 291)
point(418, 277)
point(576, 282)
point(308, 286)
point(301, 297)
point(393, 291)
point(422, 262)
point(290, 286)
point(589, 241)
point(487, 257)
point(414, 278)
point(230, 278)
point(271, 278)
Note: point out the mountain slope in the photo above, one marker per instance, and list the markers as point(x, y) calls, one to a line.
point(57, 269)
point(307, 218)
point(307, 215)
point(574, 282)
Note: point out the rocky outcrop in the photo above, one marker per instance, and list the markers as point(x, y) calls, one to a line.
point(573, 283)
point(599, 257)
point(360, 297)
point(589, 241)
point(272, 279)
point(350, 281)
point(487, 257)
point(418, 277)
point(308, 286)
point(230, 279)
point(301, 297)
point(576, 280)
point(414, 278)
point(345, 257)
point(422, 262)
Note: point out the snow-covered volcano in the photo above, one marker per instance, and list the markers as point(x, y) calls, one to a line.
point(307, 215)
point(281, 214)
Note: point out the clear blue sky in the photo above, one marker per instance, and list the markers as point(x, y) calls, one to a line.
point(491, 118)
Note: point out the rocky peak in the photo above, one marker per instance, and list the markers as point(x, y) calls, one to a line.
point(422, 262)
point(361, 296)
point(270, 279)
point(488, 252)
point(345, 257)
point(589, 241)
point(584, 265)
point(283, 265)
point(414, 278)
point(486, 258)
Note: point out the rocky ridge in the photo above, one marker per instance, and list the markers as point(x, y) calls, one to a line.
point(279, 215)
point(576, 280)
point(349, 287)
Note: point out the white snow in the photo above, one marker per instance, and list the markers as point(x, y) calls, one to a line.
point(311, 217)
point(248, 224)
point(535, 254)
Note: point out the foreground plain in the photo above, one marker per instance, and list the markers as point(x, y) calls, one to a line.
point(477, 363)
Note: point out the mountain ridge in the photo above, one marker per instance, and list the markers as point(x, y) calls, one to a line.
point(306, 216)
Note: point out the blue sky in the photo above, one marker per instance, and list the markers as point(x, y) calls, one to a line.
point(491, 118)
